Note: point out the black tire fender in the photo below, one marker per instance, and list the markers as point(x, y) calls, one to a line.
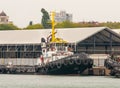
point(71, 61)
point(65, 62)
point(78, 61)
point(59, 65)
point(51, 65)
point(91, 62)
point(85, 62)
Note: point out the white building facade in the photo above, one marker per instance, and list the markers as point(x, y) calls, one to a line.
point(63, 16)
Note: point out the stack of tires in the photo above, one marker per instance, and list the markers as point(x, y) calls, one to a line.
point(114, 66)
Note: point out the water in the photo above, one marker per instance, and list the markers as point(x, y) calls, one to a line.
point(43, 81)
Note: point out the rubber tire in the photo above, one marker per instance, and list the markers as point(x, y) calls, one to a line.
point(51, 65)
point(59, 65)
point(85, 62)
point(1, 71)
point(78, 62)
point(71, 62)
point(66, 63)
point(91, 62)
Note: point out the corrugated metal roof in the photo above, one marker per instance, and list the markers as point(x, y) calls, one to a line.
point(72, 35)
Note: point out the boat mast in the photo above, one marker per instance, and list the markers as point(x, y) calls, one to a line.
point(54, 39)
point(53, 26)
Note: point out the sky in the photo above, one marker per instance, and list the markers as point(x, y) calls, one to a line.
point(21, 12)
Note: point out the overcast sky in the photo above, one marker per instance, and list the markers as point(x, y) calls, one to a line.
point(23, 11)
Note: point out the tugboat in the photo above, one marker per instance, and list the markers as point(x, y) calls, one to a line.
point(113, 63)
point(57, 57)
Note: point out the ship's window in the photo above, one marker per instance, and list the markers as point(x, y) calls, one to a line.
point(12, 48)
point(20, 51)
point(37, 48)
point(29, 48)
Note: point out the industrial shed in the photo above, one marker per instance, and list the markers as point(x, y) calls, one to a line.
point(99, 41)
point(15, 44)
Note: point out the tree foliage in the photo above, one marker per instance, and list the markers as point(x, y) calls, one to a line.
point(67, 24)
point(8, 27)
point(30, 23)
point(112, 25)
point(45, 19)
point(34, 26)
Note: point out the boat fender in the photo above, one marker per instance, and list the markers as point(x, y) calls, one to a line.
point(85, 62)
point(43, 70)
point(51, 65)
point(59, 65)
point(78, 61)
point(65, 62)
point(1, 70)
point(91, 62)
point(71, 61)
point(46, 69)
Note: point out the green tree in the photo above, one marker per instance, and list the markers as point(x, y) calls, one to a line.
point(34, 26)
point(30, 23)
point(45, 19)
point(112, 25)
point(8, 27)
point(67, 24)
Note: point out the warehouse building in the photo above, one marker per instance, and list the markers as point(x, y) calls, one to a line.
point(23, 46)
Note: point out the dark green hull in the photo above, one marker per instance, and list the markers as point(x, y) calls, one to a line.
point(74, 64)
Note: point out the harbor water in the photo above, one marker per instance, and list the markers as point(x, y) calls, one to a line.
point(47, 81)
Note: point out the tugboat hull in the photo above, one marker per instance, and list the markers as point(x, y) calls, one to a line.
point(74, 64)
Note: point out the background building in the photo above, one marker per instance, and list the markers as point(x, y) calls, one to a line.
point(4, 19)
point(63, 16)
